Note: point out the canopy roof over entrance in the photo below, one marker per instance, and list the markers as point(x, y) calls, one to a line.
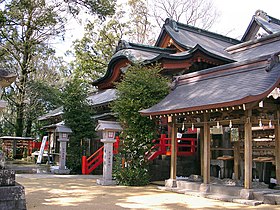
point(224, 86)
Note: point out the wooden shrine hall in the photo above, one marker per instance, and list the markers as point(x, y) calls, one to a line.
point(219, 84)
point(241, 96)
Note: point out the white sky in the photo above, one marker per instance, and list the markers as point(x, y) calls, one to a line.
point(235, 16)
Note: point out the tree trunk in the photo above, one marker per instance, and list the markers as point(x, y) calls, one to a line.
point(28, 127)
point(19, 121)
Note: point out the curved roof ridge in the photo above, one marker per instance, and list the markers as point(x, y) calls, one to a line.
point(130, 45)
point(175, 25)
point(226, 67)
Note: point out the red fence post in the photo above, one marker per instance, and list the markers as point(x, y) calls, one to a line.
point(162, 143)
point(84, 165)
point(116, 145)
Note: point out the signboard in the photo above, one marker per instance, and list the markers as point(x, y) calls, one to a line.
point(216, 130)
point(234, 134)
point(40, 156)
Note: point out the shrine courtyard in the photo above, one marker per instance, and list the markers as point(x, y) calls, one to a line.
point(46, 191)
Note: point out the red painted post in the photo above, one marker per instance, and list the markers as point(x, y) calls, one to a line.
point(84, 165)
point(162, 143)
point(116, 145)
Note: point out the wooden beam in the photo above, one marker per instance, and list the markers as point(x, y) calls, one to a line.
point(277, 147)
point(236, 159)
point(248, 150)
point(201, 151)
point(173, 164)
point(206, 149)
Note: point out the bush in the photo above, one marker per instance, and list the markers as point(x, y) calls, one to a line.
point(141, 88)
point(131, 174)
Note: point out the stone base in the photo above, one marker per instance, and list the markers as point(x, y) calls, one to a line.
point(106, 182)
point(56, 170)
point(171, 183)
point(247, 194)
point(204, 188)
point(61, 171)
point(12, 197)
point(7, 177)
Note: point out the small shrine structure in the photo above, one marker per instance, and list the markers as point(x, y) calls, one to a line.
point(241, 95)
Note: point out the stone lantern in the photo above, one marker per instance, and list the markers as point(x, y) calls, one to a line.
point(63, 138)
point(109, 130)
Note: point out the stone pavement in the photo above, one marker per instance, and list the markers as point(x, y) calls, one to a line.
point(46, 191)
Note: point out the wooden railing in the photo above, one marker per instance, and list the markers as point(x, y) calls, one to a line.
point(185, 147)
point(96, 159)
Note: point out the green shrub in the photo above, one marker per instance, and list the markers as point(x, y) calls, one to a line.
point(141, 88)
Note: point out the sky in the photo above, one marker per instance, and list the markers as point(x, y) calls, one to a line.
point(236, 15)
point(233, 21)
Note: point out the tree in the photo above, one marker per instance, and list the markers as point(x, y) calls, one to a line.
point(140, 22)
point(142, 87)
point(77, 116)
point(101, 8)
point(94, 51)
point(26, 29)
point(200, 13)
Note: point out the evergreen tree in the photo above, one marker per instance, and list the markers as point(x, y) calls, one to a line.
point(142, 87)
point(77, 116)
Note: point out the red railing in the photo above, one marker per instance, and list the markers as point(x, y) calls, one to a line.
point(91, 163)
point(185, 147)
point(37, 145)
point(96, 159)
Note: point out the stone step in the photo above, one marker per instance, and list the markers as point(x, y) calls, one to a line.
point(273, 199)
point(188, 185)
point(261, 193)
point(221, 197)
point(225, 190)
point(248, 202)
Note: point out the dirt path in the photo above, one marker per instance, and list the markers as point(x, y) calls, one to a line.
point(81, 192)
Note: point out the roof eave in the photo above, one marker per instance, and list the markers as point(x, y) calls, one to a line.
point(240, 102)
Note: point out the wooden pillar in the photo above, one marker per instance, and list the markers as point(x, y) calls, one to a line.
point(201, 151)
point(206, 149)
point(248, 150)
point(277, 148)
point(236, 159)
point(173, 150)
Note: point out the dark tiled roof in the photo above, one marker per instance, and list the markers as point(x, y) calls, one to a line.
point(52, 113)
point(134, 53)
point(255, 48)
point(228, 85)
point(261, 20)
point(102, 97)
point(189, 36)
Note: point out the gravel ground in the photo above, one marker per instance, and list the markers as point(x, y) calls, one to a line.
point(48, 192)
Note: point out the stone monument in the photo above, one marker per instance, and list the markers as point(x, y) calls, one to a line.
point(63, 138)
point(12, 195)
point(108, 129)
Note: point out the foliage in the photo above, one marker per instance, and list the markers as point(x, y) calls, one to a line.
point(26, 27)
point(142, 87)
point(77, 116)
point(102, 8)
point(94, 51)
point(43, 93)
point(140, 22)
point(131, 175)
